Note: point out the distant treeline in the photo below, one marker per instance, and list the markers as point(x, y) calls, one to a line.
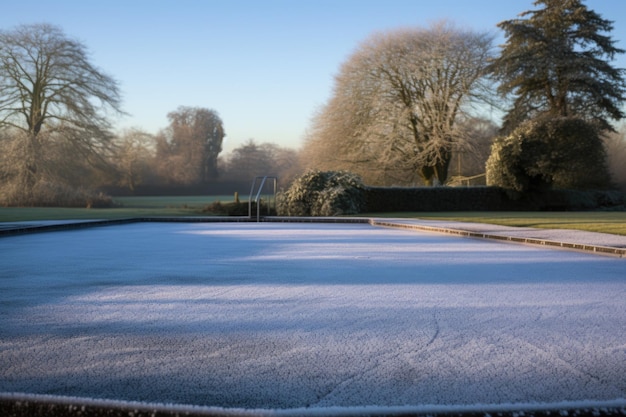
point(212, 188)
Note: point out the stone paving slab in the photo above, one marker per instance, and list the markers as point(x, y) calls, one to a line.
point(598, 243)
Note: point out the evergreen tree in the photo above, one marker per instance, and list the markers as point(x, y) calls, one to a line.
point(556, 61)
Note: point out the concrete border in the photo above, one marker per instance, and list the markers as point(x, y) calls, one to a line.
point(580, 247)
point(20, 228)
point(34, 227)
point(36, 405)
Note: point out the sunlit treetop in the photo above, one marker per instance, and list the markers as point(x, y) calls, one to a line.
point(556, 60)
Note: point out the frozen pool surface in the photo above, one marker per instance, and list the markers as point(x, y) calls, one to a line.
point(306, 315)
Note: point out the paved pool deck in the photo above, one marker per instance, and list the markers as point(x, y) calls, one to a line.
point(576, 240)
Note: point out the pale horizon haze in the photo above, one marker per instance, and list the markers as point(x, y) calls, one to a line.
point(264, 66)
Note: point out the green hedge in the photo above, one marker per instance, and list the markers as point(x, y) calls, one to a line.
point(427, 199)
point(237, 209)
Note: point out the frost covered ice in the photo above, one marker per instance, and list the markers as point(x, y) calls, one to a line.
point(278, 316)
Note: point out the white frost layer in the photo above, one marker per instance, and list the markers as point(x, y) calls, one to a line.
point(285, 316)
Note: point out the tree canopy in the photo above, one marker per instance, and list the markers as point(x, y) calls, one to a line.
point(560, 152)
point(252, 159)
point(46, 80)
point(398, 101)
point(556, 60)
point(189, 147)
point(54, 101)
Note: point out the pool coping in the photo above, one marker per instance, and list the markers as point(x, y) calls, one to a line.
point(39, 405)
point(510, 237)
point(20, 228)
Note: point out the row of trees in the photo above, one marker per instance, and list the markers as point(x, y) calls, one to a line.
point(168, 161)
point(409, 106)
point(407, 101)
point(184, 153)
point(56, 136)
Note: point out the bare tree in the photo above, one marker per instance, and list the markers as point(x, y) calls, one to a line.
point(398, 99)
point(51, 93)
point(251, 160)
point(189, 147)
point(134, 157)
point(468, 162)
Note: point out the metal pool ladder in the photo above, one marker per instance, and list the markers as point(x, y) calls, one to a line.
point(257, 200)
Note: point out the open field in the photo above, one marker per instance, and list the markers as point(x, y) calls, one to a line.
point(613, 222)
point(128, 207)
point(194, 202)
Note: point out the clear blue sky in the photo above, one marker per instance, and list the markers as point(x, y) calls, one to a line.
point(265, 66)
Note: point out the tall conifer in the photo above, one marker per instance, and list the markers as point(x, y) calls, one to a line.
point(556, 61)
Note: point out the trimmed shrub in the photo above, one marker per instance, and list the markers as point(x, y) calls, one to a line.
point(550, 153)
point(392, 199)
point(433, 199)
point(318, 193)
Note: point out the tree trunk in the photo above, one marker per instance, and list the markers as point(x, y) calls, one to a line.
point(427, 173)
point(436, 174)
point(32, 161)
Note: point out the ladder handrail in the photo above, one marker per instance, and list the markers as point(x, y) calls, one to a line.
point(258, 194)
point(256, 200)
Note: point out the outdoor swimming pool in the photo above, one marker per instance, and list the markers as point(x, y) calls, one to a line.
point(293, 315)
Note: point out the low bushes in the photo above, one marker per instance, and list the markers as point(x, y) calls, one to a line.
point(236, 208)
point(339, 193)
point(556, 152)
point(431, 199)
point(390, 199)
point(318, 193)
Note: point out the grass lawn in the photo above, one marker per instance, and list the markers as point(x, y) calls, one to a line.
point(598, 221)
point(165, 202)
point(613, 222)
point(127, 207)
